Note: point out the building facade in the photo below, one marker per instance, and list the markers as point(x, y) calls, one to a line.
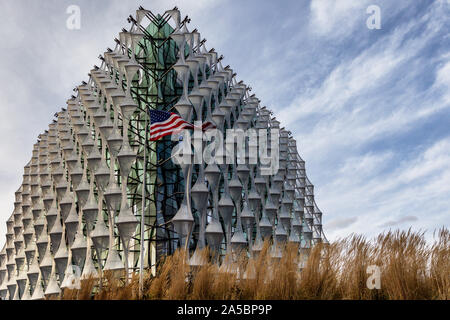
point(94, 173)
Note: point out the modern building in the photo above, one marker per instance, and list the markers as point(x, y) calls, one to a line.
point(79, 209)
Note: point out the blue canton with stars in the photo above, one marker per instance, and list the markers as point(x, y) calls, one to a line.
point(159, 116)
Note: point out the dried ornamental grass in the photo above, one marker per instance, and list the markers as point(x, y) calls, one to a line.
point(410, 269)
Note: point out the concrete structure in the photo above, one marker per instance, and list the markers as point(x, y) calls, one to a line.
point(80, 205)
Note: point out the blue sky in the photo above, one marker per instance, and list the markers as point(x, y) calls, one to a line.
point(370, 109)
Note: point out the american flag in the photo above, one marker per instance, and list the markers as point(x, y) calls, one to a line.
point(165, 123)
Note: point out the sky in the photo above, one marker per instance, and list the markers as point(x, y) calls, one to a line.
point(370, 108)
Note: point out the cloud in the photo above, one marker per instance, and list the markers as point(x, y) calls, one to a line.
point(341, 223)
point(401, 220)
point(373, 131)
point(363, 79)
point(419, 185)
point(336, 18)
point(443, 80)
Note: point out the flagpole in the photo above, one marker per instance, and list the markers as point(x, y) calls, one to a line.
point(141, 251)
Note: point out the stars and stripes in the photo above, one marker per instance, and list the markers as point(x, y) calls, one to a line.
point(165, 123)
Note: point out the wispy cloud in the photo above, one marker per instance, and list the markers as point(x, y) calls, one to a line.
point(341, 223)
point(372, 131)
point(416, 187)
point(399, 221)
point(336, 18)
